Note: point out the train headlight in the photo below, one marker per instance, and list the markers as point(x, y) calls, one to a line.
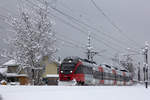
point(70, 61)
point(70, 71)
point(61, 71)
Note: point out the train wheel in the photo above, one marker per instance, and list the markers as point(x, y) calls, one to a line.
point(82, 83)
point(78, 83)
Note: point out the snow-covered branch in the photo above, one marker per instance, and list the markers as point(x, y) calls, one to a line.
point(34, 38)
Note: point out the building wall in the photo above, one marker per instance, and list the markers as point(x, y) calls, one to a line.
point(12, 69)
point(50, 67)
point(1, 77)
point(23, 80)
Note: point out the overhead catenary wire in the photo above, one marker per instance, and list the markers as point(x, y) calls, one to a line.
point(124, 43)
point(109, 46)
point(79, 47)
point(73, 42)
point(80, 29)
point(38, 6)
point(113, 23)
point(90, 27)
point(73, 45)
point(58, 33)
point(81, 22)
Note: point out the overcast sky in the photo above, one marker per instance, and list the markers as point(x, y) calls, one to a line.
point(131, 16)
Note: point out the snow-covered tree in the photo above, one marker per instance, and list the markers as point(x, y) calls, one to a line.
point(34, 38)
point(127, 63)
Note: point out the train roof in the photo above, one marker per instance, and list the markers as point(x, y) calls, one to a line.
point(92, 64)
point(72, 57)
point(76, 58)
point(113, 67)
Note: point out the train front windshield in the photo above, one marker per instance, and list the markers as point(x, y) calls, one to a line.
point(67, 66)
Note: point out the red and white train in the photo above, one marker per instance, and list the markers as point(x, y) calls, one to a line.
point(77, 71)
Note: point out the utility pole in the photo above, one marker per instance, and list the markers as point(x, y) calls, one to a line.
point(90, 53)
point(145, 69)
point(116, 60)
point(139, 75)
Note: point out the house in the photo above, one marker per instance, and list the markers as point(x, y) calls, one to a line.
point(50, 75)
point(13, 73)
point(2, 73)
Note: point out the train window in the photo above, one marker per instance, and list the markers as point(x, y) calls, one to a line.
point(97, 75)
point(105, 76)
point(102, 75)
point(87, 70)
point(108, 76)
point(117, 77)
point(79, 69)
point(126, 78)
point(113, 76)
point(90, 70)
point(121, 78)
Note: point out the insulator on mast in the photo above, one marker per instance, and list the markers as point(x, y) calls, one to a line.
point(90, 52)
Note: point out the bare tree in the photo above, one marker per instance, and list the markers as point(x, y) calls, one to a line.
point(127, 63)
point(34, 38)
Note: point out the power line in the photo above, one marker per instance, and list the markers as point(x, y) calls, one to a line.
point(112, 22)
point(70, 41)
point(98, 38)
point(73, 45)
point(73, 41)
point(80, 29)
point(101, 31)
point(93, 28)
point(68, 38)
point(76, 20)
point(117, 41)
point(102, 12)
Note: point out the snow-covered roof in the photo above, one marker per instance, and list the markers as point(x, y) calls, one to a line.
point(2, 81)
point(57, 61)
point(10, 63)
point(15, 75)
point(3, 70)
point(52, 75)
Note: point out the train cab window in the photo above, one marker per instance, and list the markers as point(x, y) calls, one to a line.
point(79, 69)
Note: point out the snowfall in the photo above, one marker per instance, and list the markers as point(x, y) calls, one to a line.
point(138, 92)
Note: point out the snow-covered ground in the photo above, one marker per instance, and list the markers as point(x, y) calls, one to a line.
point(74, 93)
